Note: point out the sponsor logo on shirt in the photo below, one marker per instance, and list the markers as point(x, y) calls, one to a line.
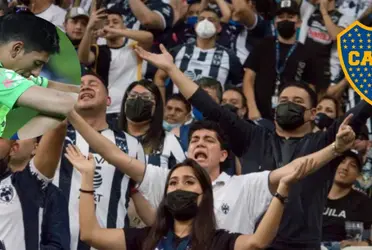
point(6, 194)
point(332, 212)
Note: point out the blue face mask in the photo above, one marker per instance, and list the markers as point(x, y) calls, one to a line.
point(168, 127)
point(191, 21)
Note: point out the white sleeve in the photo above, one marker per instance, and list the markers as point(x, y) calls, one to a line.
point(345, 21)
point(153, 184)
point(258, 194)
point(42, 178)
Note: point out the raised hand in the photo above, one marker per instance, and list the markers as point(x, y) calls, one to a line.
point(79, 161)
point(345, 137)
point(162, 61)
point(96, 18)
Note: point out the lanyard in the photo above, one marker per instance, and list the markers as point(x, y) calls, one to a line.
point(280, 70)
point(167, 243)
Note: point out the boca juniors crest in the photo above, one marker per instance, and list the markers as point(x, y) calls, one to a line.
point(354, 46)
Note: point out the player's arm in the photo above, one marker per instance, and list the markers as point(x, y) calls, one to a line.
point(48, 101)
point(63, 87)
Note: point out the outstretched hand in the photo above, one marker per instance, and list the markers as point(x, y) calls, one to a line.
point(79, 161)
point(345, 137)
point(162, 61)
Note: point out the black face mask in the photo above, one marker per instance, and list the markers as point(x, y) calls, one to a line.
point(138, 110)
point(289, 115)
point(323, 121)
point(286, 29)
point(182, 204)
point(230, 107)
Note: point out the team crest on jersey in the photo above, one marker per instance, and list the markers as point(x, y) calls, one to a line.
point(354, 49)
point(6, 194)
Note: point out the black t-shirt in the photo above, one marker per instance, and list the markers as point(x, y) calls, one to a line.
point(222, 240)
point(301, 66)
point(355, 206)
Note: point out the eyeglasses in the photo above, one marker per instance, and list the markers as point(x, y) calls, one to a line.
point(143, 96)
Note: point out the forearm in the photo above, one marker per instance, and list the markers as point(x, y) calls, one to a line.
point(144, 209)
point(108, 150)
point(321, 158)
point(225, 10)
point(332, 28)
point(49, 150)
point(248, 91)
point(87, 215)
point(203, 5)
point(84, 46)
point(243, 13)
point(269, 225)
point(146, 16)
point(337, 89)
point(144, 38)
point(186, 86)
point(159, 80)
point(63, 87)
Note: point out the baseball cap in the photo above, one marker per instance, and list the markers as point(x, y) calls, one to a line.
point(76, 12)
point(287, 6)
point(358, 157)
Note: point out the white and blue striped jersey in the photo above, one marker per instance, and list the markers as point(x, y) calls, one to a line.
point(22, 196)
point(111, 186)
point(171, 153)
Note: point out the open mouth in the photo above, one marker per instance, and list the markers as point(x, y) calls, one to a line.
point(86, 96)
point(200, 156)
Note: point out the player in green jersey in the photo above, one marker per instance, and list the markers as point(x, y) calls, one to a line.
point(26, 42)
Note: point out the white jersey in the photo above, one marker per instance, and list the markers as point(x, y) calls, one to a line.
point(54, 14)
point(16, 192)
point(239, 201)
point(111, 185)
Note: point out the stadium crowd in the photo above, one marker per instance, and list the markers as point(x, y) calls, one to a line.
point(198, 124)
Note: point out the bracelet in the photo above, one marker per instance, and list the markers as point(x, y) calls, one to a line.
point(281, 198)
point(86, 191)
point(133, 191)
point(131, 159)
point(335, 151)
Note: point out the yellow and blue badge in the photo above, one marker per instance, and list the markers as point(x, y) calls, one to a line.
point(354, 46)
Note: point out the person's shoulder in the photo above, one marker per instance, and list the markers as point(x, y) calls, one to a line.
point(57, 9)
point(356, 194)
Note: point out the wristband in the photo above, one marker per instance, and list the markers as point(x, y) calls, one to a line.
point(335, 151)
point(86, 191)
point(282, 199)
point(133, 191)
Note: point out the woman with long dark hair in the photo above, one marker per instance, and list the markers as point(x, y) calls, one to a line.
point(141, 116)
point(185, 218)
point(327, 110)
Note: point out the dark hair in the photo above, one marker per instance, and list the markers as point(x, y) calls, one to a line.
point(212, 126)
point(208, 82)
point(204, 223)
point(335, 102)
point(36, 33)
point(114, 10)
point(154, 137)
point(90, 72)
point(181, 98)
point(210, 10)
point(304, 86)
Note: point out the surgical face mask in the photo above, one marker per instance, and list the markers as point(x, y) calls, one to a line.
point(286, 29)
point(168, 127)
point(138, 110)
point(323, 121)
point(290, 116)
point(205, 29)
point(182, 204)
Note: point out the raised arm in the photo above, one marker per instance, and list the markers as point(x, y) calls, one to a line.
point(244, 13)
point(49, 150)
point(108, 150)
point(148, 18)
point(144, 38)
point(240, 132)
point(64, 87)
point(90, 231)
point(269, 225)
point(344, 141)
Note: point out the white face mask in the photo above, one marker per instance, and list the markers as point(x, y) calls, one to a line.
point(205, 29)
